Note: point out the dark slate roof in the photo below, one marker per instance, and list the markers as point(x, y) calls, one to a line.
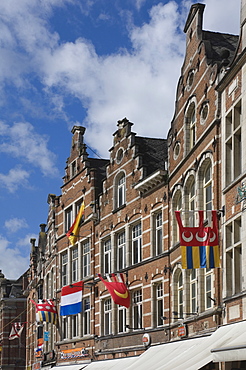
point(153, 153)
point(100, 166)
point(220, 46)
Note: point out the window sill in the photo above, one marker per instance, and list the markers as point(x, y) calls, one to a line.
point(119, 208)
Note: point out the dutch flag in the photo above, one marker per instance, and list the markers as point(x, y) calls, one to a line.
point(71, 299)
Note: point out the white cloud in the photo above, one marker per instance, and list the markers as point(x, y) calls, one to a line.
point(25, 242)
point(139, 83)
point(15, 178)
point(221, 17)
point(15, 224)
point(21, 141)
point(13, 264)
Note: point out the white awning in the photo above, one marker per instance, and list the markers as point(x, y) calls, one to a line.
point(194, 353)
point(234, 346)
point(114, 364)
point(70, 367)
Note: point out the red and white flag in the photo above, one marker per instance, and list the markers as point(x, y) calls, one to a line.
point(16, 330)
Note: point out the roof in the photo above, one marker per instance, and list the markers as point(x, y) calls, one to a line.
point(220, 46)
point(153, 153)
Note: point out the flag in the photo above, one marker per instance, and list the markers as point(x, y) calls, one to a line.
point(72, 233)
point(71, 299)
point(40, 347)
point(118, 290)
point(199, 245)
point(16, 330)
point(46, 311)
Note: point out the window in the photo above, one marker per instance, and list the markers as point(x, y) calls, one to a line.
point(233, 144)
point(191, 196)
point(176, 151)
point(192, 129)
point(137, 309)
point(193, 291)
point(119, 155)
point(177, 206)
point(159, 304)
point(74, 265)
point(107, 317)
point(68, 218)
point(190, 121)
point(204, 113)
point(86, 259)
point(208, 288)
point(233, 240)
point(180, 295)
point(107, 256)
point(190, 79)
point(73, 169)
point(207, 188)
point(75, 326)
point(121, 319)
point(64, 269)
point(137, 243)
point(158, 233)
point(86, 316)
point(121, 251)
point(121, 190)
point(64, 327)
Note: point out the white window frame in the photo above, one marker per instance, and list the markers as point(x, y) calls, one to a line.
point(233, 245)
point(193, 291)
point(68, 218)
point(86, 257)
point(137, 243)
point(121, 319)
point(158, 233)
point(86, 316)
point(107, 253)
point(75, 326)
point(208, 281)
point(121, 250)
point(75, 265)
point(159, 303)
point(65, 334)
point(121, 190)
point(207, 188)
point(180, 297)
point(233, 144)
point(107, 304)
point(64, 269)
point(137, 309)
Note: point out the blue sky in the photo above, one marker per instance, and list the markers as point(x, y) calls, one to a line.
point(81, 62)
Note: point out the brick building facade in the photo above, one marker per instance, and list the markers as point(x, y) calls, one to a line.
point(129, 227)
point(12, 310)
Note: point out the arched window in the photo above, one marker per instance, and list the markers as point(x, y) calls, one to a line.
point(120, 190)
point(190, 120)
point(177, 206)
point(191, 200)
point(192, 128)
point(207, 188)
